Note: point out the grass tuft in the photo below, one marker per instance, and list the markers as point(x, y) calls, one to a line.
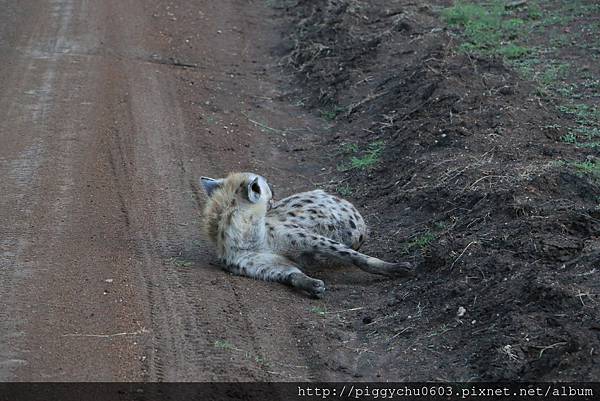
point(362, 160)
point(589, 167)
point(319, 310)
point(512, 51)
point(487, 30)
point(344, 190)
point(420, 243)
point(223, 344)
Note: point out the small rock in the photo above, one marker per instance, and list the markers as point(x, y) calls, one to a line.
point(461, 311)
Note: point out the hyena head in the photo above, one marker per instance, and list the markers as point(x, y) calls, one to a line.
point(246, 194)
point(251, 190)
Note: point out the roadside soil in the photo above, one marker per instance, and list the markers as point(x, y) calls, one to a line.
point(465, 168)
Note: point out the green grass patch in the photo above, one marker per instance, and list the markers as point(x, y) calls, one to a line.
point(181, 262)
point(553, 73)
point(559, 40)
point(331, 114)
point(568, 91)
point(588, 167)
point(589, 145)
point(555, 18)
point(350, 148)
point(362, 159)
point(534, 11)
point(223, 344)
point(585, 136)
point(281, 4)
point(488, 29)
point(318, 310)
point(420, 242)
point(569, 138)
point(465, 13)
point(512, 51)
point(370, 158)
point(527, 67)
point(583, 113)
point(493, 28)
point(588, 133)
point(344, 190)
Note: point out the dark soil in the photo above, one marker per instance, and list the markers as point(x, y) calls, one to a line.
point(470, 183)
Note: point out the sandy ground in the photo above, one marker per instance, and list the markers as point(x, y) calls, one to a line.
point(110, 111)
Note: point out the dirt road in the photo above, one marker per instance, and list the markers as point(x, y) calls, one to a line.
point(109, 111)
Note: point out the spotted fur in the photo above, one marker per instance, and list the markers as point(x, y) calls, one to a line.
point(270, 241)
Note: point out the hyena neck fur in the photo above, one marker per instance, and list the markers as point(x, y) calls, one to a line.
point(246, 233)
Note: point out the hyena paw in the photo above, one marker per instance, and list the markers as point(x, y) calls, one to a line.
point(313, 286)
point(316, 288)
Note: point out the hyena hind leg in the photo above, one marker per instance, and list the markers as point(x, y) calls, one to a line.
point(271, 267)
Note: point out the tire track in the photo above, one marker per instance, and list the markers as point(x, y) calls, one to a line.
point(159, 206)
point(203, 320)
point(100, 156)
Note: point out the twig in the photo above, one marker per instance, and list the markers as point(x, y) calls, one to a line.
point(544, 348)
point(370, 97)
point(484, 177)
point(462, 253)
point(483, 329)
point(134, 333)
point(347, 310)
point(400, 332)
point(581, 294)
point(587, 273)
point(262, 125)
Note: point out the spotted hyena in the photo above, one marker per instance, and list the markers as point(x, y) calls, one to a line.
point(268, 240)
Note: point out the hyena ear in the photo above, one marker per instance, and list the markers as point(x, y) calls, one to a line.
point(254, 190)
point(210, 184)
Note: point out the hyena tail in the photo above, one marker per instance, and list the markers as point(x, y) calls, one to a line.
point(340, 253)
point(378, 266)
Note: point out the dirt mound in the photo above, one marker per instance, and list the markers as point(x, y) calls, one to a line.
point(457, 166)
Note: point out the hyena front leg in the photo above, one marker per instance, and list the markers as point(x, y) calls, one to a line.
point(271, 267)
point(302, 241)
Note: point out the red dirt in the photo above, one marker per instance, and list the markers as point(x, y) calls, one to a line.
point(112, 110)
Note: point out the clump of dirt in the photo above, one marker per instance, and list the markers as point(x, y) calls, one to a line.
point(458, 167)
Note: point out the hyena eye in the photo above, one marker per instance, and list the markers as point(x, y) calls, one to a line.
point(256, 187)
